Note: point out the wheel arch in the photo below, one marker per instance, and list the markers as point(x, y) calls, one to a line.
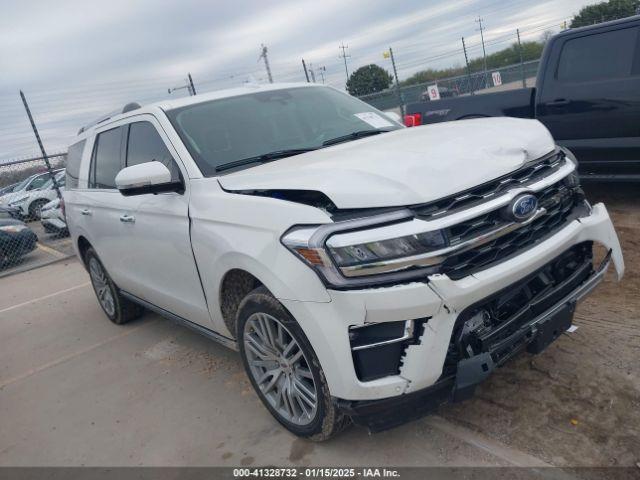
point(83, 245)
point(235, 285)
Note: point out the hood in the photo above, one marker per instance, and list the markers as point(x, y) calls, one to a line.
point(407, 166)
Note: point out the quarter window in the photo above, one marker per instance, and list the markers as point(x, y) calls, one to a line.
point(74, 156)
point(146, 145)
point(607, 55)
point(106, 159)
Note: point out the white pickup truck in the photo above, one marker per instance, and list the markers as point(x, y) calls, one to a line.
point(366, 272)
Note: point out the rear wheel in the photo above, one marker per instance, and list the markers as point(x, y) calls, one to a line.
point(119, 309)
point(284, 369)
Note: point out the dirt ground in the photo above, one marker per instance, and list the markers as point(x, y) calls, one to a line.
point(577, 403)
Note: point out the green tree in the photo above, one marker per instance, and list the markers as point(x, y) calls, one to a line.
point(605, 11)
point(368, 79)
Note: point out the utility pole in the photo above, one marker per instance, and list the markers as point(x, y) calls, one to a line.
point(484, 52)
point(466, 59)
point(395, 74)
point(44, 154)
point(322, 70)
point(524, 78)
point(344, 56)
point(188, 86)
point(193, 89)
point(306, 72)
point(313, 75)
point(263, 55)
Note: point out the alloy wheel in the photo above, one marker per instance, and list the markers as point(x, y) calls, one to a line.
point(101, 286)
point(280, 369)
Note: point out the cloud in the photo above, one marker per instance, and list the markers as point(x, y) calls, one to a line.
point(77, 60)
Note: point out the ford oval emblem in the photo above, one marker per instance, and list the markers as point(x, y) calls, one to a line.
point(523, 207)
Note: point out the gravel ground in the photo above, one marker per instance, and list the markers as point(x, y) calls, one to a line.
point(577, 403)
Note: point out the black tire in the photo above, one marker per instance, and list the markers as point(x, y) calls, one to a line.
point(118, 309)
point(35, 208)
point(327, 421)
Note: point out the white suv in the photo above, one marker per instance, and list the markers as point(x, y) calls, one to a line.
point(365, 271)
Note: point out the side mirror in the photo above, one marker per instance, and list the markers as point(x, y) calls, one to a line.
point(394, 116)
point(149, 177)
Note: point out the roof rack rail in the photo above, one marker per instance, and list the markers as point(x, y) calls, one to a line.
point(127, 108)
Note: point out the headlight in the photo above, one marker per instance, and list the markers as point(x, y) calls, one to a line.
point(380, 249)
point(17, 202)
point(12, 228)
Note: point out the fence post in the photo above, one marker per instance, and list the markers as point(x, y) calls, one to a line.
point(44, 154)
point(524, 78)
point(395, 73)
point(466, 59)
point(306, 73)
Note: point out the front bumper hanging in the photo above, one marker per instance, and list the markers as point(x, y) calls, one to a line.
point(460, 379)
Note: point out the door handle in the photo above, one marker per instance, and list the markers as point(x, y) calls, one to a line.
point(85, 211)
point(127, 218)
point(558, 102)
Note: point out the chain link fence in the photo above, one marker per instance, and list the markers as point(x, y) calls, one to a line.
point(30, 210)
point(509, 77)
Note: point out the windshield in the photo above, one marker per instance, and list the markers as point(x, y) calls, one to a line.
point(22, 185)
point(232, 129)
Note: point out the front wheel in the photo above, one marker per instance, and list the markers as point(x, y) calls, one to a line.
point(35, 209)
point(284, 369)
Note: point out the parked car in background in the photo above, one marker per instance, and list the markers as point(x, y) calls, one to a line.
point(8, 188)
point(365, 271)
point(16, 240)
point(19, 190)
point(53, 219)
point(29, 203)
point(587, 94)
point(6, 212)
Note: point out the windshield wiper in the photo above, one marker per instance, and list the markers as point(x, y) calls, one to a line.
point(352, 136)
point(264, 158)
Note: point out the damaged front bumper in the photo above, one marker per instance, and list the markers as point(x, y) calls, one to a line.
point(425, 371)
point(459, 383)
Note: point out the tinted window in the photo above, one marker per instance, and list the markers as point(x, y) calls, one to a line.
point(74, 155)
point(235, 128)
point(106, 159)
point(146, 145)
point(601, 56)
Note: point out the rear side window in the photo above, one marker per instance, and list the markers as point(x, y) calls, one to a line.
point(146, 145)
point(74, 156)
point(601, 56)
point(105, 164)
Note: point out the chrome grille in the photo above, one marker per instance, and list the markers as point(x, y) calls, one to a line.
point(472, 197)
point(461, 232)
point(561, 203)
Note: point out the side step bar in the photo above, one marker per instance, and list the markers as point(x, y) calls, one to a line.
point(227, 342)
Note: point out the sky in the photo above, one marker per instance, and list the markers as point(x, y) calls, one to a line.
point(78, 60)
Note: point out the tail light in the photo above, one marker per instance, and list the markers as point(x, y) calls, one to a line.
point(413, 120)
